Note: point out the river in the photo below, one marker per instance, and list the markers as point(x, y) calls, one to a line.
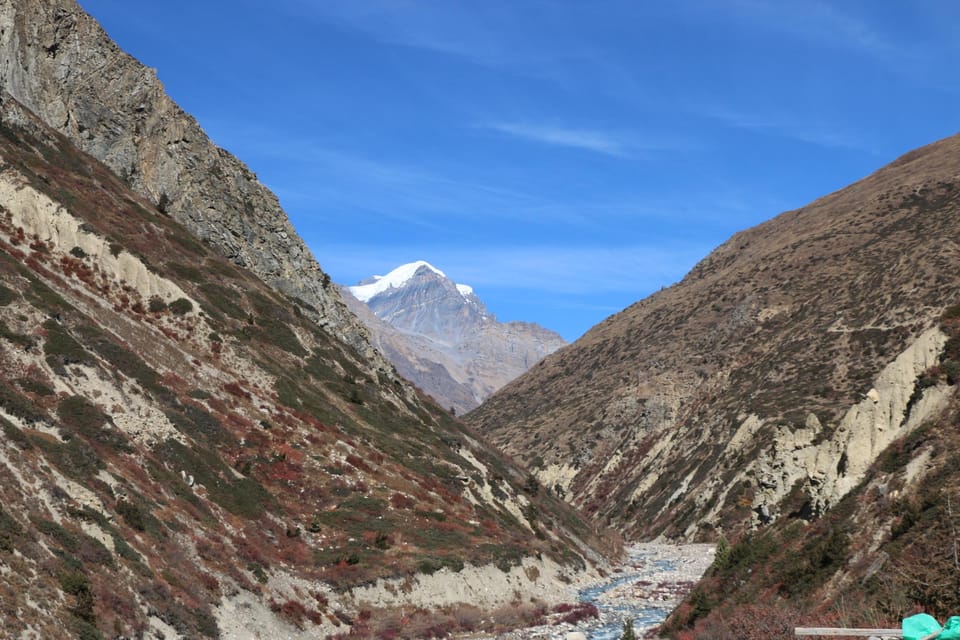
point(645, 588)
point(648, 585)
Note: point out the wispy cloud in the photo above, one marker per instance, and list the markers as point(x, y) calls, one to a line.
point(490, 34)
point(589, 140)
point(822, 23)
point(788, 126)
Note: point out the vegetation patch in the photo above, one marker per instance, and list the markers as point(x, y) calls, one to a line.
point(61, 348)
point(244, 497)
point(82, 417)
point(181, 306)
point(199, 423)
point(18, 339)
point(7, 295)
point(75, 458)
point(136, 513)
point(221, 300)
point(10, 531)
point(18, 405)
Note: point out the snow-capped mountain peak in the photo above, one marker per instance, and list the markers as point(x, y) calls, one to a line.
point(441, 335)
point(396, 279)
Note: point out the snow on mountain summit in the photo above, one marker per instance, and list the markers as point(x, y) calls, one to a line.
point(396, 279)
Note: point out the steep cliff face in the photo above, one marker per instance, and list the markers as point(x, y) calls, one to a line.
point(884, 551)
point(781, 365)
point(59, 63)
point(441, 336)
point(184, 453)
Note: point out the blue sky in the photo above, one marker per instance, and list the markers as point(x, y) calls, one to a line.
point(565, 158)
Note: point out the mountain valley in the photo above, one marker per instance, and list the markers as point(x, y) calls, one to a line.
point(204, 436)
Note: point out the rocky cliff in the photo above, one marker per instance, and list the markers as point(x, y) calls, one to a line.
point(443, 338)
point(781, 366)
point(185, 453)
point(59, 63)
point(885, 550)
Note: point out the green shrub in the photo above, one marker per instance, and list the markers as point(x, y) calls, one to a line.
point(61, 348)
point(951, 368)
point(187, 272)
point(181, 306)
point(428, 566)
point(287, 393)
point(35, 386)
point(19, 405)
point(74, 582)
point(722, 554)
point(7, 296)
point(132, 514)
point(156, 305)
point(124, 550)
point(14, 435)
point(221, 300)
point(75, 458)
point(199, 423)
point(10, 531)
point(81, 415)
point(244, 497)
point(16, 338)
point(817, 561)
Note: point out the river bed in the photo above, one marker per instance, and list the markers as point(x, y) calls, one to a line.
point(646, 587)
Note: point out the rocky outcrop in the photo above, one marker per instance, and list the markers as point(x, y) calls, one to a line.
point(827, 469)
point(59, 63)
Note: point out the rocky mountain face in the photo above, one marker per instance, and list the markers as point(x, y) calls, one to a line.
point(883, 552)
point(188, 447)
point(765, 384)
point(184, 452)
point(442, 337)
point(58, 62)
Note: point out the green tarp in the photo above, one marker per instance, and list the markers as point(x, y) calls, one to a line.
point(952, 630)
point(923, 625)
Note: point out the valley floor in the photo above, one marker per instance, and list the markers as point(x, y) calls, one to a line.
point(650, 582)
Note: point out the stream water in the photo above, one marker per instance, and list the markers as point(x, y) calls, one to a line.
point(649, 584)
point(615, 611)
point(644, 588)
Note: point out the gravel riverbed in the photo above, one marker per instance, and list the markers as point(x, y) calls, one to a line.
point(650, 582)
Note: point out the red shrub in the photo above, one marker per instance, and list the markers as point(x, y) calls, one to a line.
point(235, 389)
point(400, 501)
point(210, 583)
point(291, 610)
point(357, 462)
point(578, 612)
